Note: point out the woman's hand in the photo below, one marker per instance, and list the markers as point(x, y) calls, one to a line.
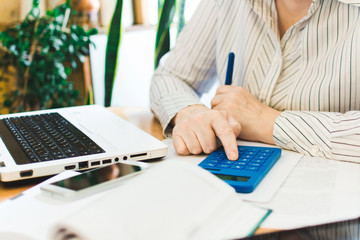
point(197, 128)
point(256, 119)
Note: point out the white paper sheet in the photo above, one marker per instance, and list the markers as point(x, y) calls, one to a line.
point(304, 191)
point(318, 191)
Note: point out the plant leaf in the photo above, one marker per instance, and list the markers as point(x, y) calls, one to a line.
point(162, 42)
point(112, 49)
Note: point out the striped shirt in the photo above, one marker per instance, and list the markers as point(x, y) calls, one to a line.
point(311, 74)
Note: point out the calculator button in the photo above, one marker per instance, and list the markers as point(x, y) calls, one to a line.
point(246, 156)
point(223, 165)
point(252, 168)
point(237, 167)
point(261, 158)
point(244, 160)
point(240, 163)
point(266, 151)
point(209, 164)
point(227, 162)
point(213, 161)
point(263, 154)
point(247, 148)
point(257, 161)
point(250, 153)
point(255, 165)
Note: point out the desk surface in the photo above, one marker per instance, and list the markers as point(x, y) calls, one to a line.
point(140, 117)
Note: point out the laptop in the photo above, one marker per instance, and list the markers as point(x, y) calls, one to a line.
point(47, 142)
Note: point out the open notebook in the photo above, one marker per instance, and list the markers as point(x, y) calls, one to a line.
point(47, 142)
point(170, 200)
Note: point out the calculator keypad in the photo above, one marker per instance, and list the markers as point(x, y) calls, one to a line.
point(250, 159)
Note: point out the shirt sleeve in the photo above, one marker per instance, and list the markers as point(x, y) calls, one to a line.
point(180, 80)
point(320, 134)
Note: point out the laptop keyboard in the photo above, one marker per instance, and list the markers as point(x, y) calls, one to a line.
point(46, 137)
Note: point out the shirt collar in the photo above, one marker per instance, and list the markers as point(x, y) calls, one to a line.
point(350, 2)
point(316, 3)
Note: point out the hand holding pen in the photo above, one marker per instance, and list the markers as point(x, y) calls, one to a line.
point(257, 120)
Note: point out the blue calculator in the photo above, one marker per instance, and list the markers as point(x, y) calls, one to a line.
point(245, 173)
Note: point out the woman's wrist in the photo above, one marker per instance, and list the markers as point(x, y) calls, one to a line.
point(267, 123)
point(187, 111)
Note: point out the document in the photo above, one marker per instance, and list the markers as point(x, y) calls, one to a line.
point(318, 191)
point(171, 200)
point(301, 191)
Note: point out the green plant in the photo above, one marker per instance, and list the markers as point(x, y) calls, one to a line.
point(44, 52)
point(112, 50)
point(167, 10)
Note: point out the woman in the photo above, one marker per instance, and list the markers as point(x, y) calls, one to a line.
point(296, 79)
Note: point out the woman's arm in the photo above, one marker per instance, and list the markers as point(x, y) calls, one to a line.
point(322, 134)
point(190, 64)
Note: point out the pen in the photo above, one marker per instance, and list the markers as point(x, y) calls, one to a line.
point(230, 67)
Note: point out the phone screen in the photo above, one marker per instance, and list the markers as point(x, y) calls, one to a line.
point(97, 176)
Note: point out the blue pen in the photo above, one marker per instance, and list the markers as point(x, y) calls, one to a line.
point(230, 68)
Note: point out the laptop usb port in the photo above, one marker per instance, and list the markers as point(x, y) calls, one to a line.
point(106, 161)
point(27, 173)
point(97, 163)
point(83, 165)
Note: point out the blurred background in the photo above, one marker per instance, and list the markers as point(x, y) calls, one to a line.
point(135, 64)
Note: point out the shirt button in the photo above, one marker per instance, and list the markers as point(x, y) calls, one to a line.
point(315, 149)
point(290, 145)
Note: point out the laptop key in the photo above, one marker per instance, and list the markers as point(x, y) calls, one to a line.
point(72, 154)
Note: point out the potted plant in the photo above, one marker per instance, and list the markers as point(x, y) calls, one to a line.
point(42, 51)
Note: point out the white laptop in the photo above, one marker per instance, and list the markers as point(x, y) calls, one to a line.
point(76, 138)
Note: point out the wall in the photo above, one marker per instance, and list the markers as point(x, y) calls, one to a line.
point(9, 11)
point(12, 11)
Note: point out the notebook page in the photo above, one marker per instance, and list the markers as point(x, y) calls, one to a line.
point(168, 201)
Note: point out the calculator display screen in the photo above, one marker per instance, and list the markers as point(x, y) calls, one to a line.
point(232, 178)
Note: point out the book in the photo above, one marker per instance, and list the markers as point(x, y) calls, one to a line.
point(172, 200)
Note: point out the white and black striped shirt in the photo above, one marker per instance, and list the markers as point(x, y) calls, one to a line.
point(311, 74)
